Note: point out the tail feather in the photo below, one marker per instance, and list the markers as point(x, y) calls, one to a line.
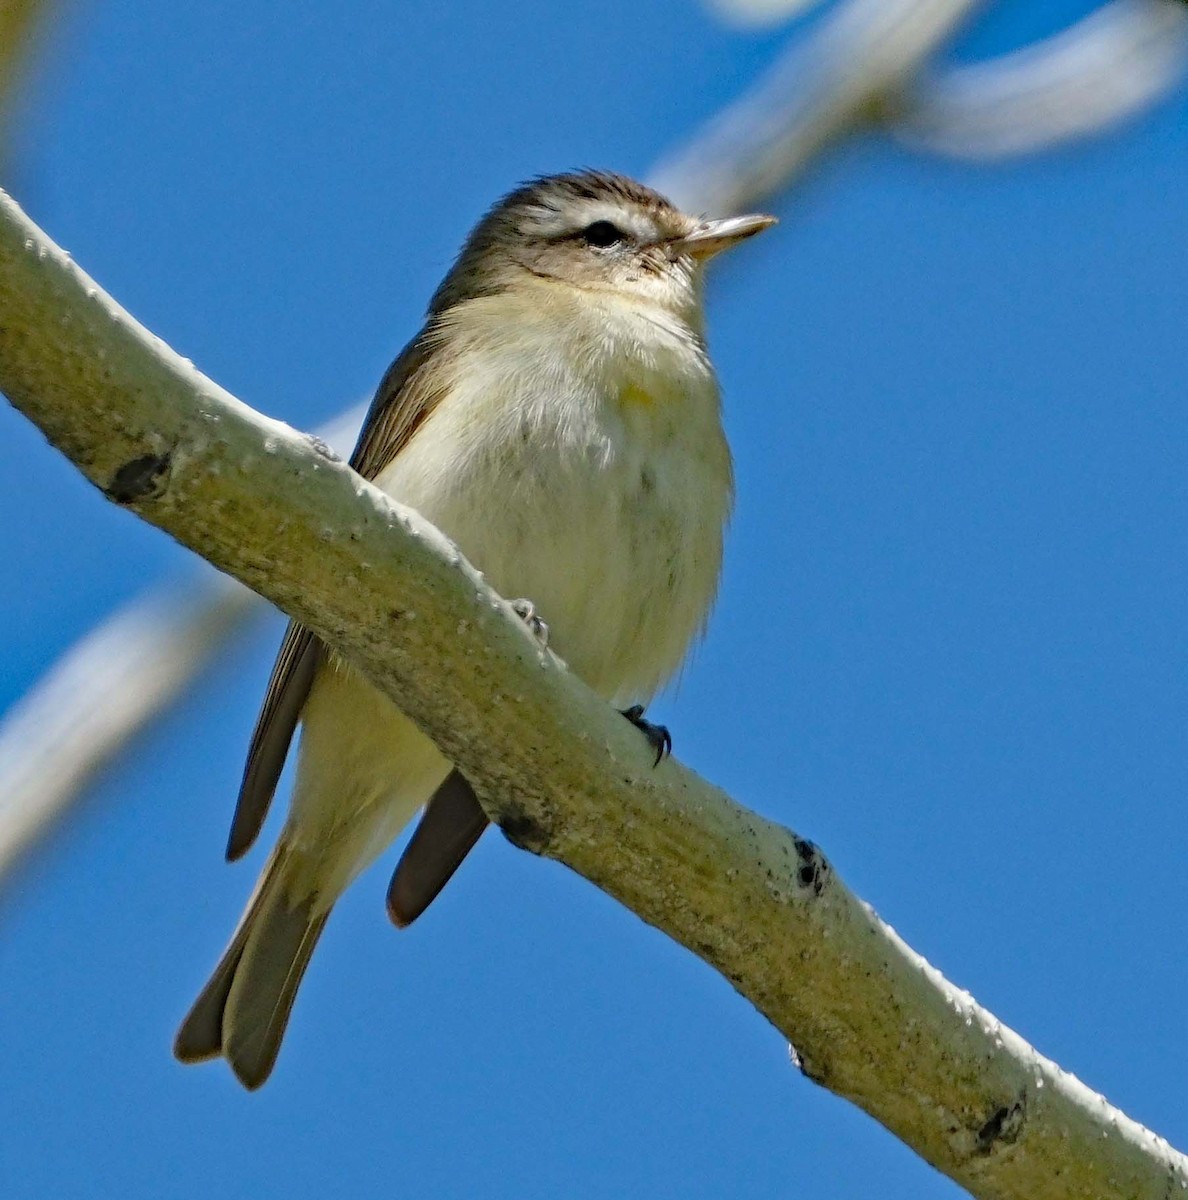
point(264, 987)
point(244, 1009)
point(200, 1036)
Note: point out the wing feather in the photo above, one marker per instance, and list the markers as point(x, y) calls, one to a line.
point(288, 686)
point(452, 822)
point(407, 394)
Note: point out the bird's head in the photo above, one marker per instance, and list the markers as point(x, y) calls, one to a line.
point(596, 231)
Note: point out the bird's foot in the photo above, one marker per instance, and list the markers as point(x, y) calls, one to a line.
point(658, 736)
point(526, 611)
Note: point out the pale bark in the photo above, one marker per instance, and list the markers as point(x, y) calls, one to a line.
point(55, 739)
point(1109, 66)
point(560, 771)
point(847, 73)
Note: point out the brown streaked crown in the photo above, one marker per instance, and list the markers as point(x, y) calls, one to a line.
point(539, 228)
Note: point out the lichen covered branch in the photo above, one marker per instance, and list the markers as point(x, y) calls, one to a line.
point(557, 769)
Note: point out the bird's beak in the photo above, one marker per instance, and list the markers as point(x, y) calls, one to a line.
point(711, 237)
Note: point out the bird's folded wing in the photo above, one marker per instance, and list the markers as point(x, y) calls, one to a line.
point(405, 397)
point(292, 676)
point(451, 824)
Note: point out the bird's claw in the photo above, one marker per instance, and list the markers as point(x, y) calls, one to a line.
point(658, 736)
point(526, 611)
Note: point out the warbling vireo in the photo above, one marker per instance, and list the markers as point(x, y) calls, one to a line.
point(558, 417)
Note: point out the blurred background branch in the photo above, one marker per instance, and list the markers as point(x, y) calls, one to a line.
point(21, 21)
point(866, 64)
point(124, 672)
point(870, 1020)
point(1103, 70)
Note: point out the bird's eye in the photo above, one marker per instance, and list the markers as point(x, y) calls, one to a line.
point(602, 234)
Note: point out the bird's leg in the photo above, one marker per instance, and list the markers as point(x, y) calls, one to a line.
point(658, 736)
point(526, 611)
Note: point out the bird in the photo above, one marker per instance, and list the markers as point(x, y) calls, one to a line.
point(559, 418)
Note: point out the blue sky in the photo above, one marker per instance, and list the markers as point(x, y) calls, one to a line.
point(950, 645)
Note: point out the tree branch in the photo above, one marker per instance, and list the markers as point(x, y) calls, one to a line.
point(111, 684)
point(1103, 68)
point(126, 668)
point(558, 769)
point(822, 88)
point(20, 23)
point(1108, 66)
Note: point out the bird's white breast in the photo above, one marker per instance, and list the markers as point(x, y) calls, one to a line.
point(578, 460)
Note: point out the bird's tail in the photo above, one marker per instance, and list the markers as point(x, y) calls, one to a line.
point(242, 1012)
